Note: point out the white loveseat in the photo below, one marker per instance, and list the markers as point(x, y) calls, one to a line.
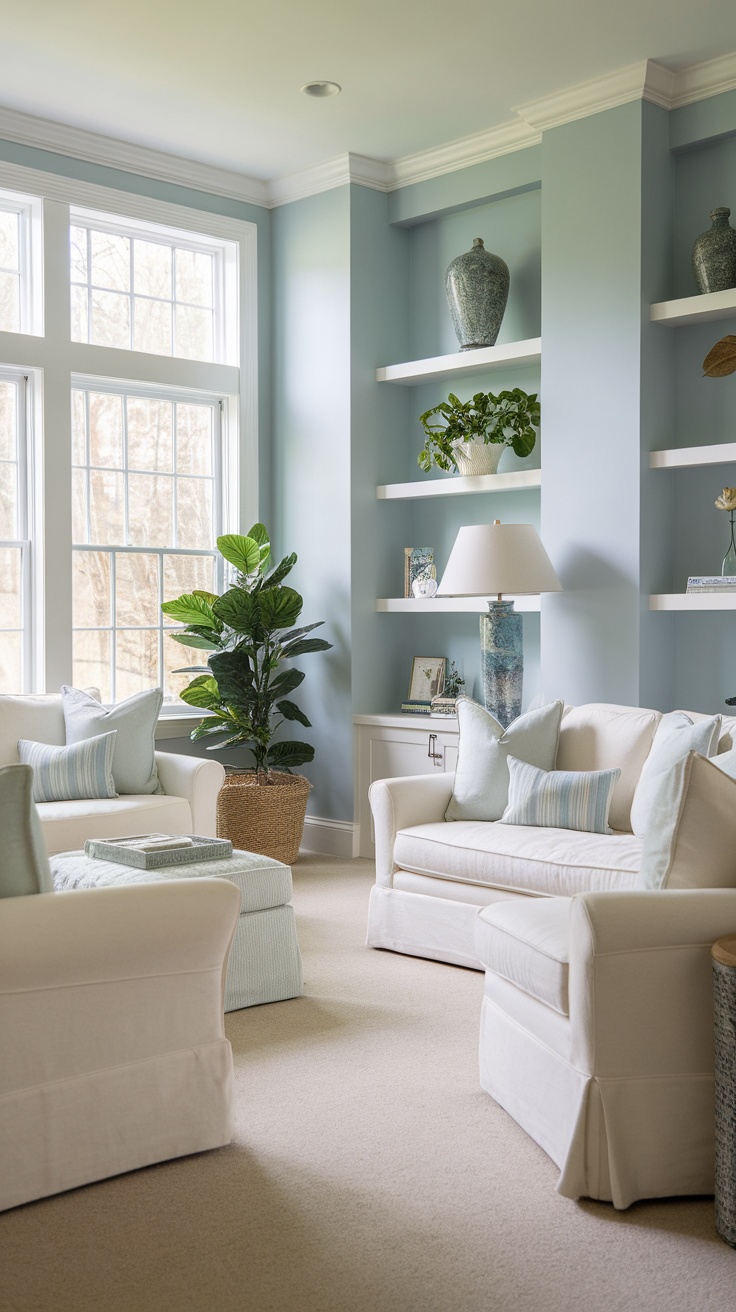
point(187, 805)
point(433, 876)
point(596, 1029)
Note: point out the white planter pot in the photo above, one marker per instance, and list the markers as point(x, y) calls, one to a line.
point(478, 457)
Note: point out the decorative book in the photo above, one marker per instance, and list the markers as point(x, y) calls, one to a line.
point(153, 851)
point(711, 583)
point(416, 707)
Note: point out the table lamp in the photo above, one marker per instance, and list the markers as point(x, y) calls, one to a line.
point(499, 558)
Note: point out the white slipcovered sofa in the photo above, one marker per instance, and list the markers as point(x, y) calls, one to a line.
point(596, 1028)
point(187, 804)
point(433, 875)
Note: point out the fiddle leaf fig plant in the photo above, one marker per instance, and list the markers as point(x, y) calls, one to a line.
point(508, 419)
point(250, 632)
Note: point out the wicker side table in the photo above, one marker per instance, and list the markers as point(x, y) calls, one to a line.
point(724, 988)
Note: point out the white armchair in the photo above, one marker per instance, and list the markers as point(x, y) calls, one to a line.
point(597, 1034)
point(111, 1031)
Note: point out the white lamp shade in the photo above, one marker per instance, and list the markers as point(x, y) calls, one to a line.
point(492, 559)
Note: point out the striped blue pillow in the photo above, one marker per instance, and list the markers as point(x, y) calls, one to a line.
point(559, 799)
point(77, 773)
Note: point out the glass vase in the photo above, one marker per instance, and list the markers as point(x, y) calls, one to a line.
point(728, 568)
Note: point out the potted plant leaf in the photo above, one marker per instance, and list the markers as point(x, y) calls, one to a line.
point(246, 687)
point(470, 436)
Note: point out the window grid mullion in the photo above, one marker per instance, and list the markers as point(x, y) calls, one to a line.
point(113, 657)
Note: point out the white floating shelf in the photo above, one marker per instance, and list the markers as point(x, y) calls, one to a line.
point(693, 601)
point(463, 362)
point(455, 485)
point(449, 605)
point(695, 309)
point(686, 457)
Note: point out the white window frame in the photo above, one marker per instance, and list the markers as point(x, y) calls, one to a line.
point(52, 360)
point(25, 525)
point(30, 257)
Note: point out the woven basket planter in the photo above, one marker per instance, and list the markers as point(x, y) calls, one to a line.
point(265, 817)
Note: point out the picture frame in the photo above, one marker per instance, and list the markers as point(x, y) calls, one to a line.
point(427, 678)
point(418, 564)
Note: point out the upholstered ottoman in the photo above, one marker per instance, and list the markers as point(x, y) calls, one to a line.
point(265, 962)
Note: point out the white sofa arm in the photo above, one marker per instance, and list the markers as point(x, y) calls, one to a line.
point(199, 780)
point(397, 803)
point(641, 994)
point(111, 1031)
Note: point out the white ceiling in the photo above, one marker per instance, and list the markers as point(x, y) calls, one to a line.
point(220, 82)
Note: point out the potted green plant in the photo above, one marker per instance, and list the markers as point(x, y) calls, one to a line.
point(470, 436)
point(245, 689)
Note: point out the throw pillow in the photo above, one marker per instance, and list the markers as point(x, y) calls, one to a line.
point(81, 772)
point(691, 837)
point(134, 762)
point(559, 799)
point(24, 868)
point(676, 736)
point(480, 789)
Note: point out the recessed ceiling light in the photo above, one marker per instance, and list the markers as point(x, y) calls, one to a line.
point(321, 89)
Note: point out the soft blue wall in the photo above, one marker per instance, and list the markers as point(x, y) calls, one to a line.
point(312, 466)
point(591, 332)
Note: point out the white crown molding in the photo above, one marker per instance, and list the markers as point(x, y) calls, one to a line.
point(643, 81)
point(61, 139)
point(337, 172)
point(462, 154)
point(700, 81)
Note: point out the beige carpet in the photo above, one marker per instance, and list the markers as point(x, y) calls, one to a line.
point(368, 1173)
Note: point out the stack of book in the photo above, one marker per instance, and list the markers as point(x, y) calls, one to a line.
point(711, 583)
point(416, 707)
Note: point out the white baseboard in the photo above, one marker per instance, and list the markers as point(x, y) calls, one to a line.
point(330, 837)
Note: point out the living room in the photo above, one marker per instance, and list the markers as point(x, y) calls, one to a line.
point(590, 165)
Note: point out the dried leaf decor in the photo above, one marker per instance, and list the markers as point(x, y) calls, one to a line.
point(721, 359)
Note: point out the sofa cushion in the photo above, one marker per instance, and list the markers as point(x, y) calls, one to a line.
point(134, 763)
point(39, 718)
point(600, 736)
point(528, 943)
point(691, 837)
point(67, 825)
point(727, 739)
point(480, 788)
point(559, 799)
point(676, 736)
point(520, 858)
point(66, 774)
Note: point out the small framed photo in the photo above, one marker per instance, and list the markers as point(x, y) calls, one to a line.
point(427, 678)
point(418, 564)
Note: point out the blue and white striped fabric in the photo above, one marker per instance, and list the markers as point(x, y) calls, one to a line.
point(80, 772)
point(559, 799)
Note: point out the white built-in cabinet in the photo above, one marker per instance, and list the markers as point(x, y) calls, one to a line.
point(679, 314)
point(394, 746)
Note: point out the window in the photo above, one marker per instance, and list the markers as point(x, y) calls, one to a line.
point(123, 426)
point(140, 288)
point(14, 535)
point(146, 513)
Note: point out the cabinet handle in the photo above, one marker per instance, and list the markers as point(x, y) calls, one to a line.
point(434, 756)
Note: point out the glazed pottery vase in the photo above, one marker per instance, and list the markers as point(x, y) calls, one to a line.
point(477, 286)
point(728, 568)
point(502, 660)
point(714, 254)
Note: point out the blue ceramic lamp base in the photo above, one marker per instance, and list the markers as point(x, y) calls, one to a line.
point(502, 660)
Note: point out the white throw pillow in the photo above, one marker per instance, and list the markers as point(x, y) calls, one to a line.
point(676, 736)
point(481, 787)
point(691, 836)
point(133, 762)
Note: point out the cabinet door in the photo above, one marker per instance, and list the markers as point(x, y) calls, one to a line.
point(389, 753)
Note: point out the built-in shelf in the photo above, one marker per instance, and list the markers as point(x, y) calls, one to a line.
point(695, 309)
point(693, 601)
point(511, 354)
point(455, 485)
point(447, 605)
point(686, 457)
